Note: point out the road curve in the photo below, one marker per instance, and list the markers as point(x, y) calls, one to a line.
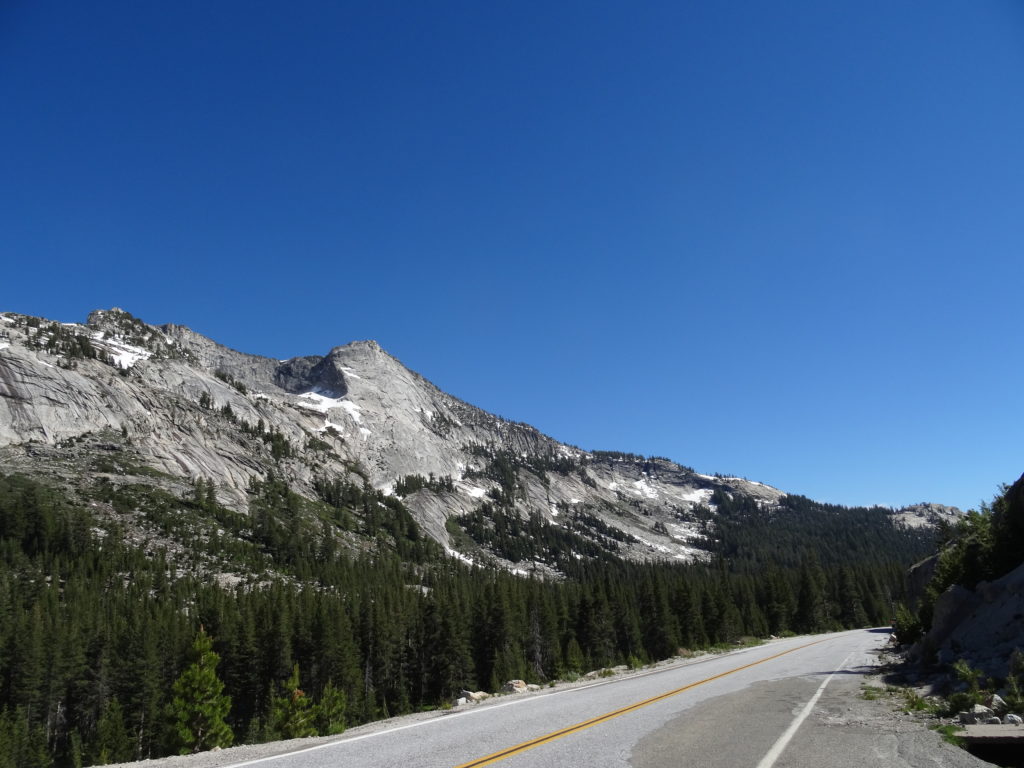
point(729, 710)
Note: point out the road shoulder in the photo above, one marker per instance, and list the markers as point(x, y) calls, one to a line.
point(844, 729)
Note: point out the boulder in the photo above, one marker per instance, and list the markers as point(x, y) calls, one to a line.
point(474, 696)
point(998, 705)
point(1012, 719)
point(514, 686)
point(977, 714)
point(992, 720)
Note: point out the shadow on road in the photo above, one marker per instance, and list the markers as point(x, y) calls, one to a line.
point(862, 670)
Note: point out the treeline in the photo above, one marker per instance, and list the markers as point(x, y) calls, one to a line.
point(752, 536)
point(95, 633)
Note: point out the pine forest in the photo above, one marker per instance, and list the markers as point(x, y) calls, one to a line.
point(340, 611)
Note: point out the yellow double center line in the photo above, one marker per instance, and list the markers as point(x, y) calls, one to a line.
point(554, 735)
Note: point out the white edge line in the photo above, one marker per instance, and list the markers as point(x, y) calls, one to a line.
point(773, 754)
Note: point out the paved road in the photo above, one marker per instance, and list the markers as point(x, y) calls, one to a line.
point(779, 704)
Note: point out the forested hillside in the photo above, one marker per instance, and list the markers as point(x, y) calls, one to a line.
point(338, 610)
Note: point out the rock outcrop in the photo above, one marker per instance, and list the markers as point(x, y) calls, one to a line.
point(983, 626)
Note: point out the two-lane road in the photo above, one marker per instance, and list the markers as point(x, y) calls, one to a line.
point(748, 708)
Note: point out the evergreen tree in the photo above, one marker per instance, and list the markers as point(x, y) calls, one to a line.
point(810, 608)
point(112, 743)
point(292, 714)
point(199, 705)
point(330, 711)
point(851, 607)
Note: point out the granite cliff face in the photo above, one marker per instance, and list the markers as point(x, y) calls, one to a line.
point(186, 407)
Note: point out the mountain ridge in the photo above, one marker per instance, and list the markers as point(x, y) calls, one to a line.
point(193, 408)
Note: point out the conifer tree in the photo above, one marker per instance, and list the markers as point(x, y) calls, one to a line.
point(330, 711)
point(292, 714)
point(199, 704)
point(112, 745)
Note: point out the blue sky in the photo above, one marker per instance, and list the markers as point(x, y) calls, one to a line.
point(778, 240)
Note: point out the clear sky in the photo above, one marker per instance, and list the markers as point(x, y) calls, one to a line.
point(777, 240)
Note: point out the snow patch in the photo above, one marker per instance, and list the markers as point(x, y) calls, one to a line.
point(683, 531)
point(644, 488)
point(612, 486)
point(365, 432)
point(127, 358)
point(315, 401)
point(574, 501)
point(352, 410)
point(349, 372)
point(125, 355)
point(476, 493)
point(697, 495)
point(744, 480)
point(458, 555)
point(4, 344)
point(6, 319)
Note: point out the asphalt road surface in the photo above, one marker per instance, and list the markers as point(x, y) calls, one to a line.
point(786, 703)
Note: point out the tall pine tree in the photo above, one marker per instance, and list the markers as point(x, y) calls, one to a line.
point(199, 705)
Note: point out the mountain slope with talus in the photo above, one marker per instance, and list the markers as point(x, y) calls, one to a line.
point(185, 408)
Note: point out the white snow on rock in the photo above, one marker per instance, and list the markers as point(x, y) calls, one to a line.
point(697, 495)
point(645, 489)
point(349, 372)
point(684, 531)
point(352, 410)
point(458, 556)
point(125, 355)
point(318, 402)
point(4, 344)
point(473, 491)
